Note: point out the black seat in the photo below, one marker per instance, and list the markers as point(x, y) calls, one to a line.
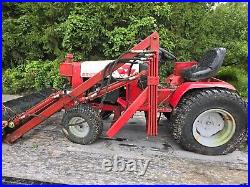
point(207, 66)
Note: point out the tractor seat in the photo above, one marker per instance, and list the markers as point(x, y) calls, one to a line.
point(207, 66)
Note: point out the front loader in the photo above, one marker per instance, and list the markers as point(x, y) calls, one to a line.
point(206, 115)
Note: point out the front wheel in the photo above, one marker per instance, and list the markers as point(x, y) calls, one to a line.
point(82, 124)
point(210, 121)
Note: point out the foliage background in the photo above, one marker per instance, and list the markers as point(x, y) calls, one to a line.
point(36, 36)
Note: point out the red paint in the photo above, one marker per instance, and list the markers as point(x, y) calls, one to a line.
point(132, 91)
point(66, 69)
point(127, 114)
point(152, 80)
point(122, 102)
point(176, 78)
point(185, 87)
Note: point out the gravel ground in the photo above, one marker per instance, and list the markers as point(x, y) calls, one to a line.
point(45, 154)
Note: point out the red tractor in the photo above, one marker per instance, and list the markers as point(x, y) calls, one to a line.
point(206, 115)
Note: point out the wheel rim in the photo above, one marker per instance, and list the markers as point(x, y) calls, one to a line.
point(79, 127)
point(214, 127)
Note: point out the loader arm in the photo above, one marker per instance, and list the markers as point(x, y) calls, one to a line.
point(57, 101)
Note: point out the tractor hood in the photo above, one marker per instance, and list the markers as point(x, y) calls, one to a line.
point(90, 68)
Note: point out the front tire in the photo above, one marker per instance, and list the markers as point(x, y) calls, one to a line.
point(210, 121)
point(82, 124)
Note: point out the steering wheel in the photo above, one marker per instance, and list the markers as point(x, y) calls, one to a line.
point(164, 54)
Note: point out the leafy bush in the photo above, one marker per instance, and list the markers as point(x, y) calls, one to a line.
point(35, 75)
point(237, 77)
point(13, 80)
point(46, 31)
point(122, 39)
point(31, 31)
point(37, 33)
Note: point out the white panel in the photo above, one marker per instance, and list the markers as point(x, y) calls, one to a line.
point(90, 68)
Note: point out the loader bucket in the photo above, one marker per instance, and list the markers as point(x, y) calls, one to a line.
point(17, 106)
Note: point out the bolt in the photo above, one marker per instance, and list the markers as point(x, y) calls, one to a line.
point(11, 124)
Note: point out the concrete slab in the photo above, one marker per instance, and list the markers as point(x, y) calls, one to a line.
point(45, 154)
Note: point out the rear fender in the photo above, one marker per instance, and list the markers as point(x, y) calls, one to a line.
point(187, 86)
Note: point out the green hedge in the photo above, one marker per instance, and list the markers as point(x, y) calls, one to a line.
point(46, 31)
point(35, 75)
point(237, 76)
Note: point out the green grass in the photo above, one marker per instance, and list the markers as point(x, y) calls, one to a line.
point(237, 76)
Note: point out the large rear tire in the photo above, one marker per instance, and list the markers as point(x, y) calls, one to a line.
point(210, 121)
point(82, 124)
